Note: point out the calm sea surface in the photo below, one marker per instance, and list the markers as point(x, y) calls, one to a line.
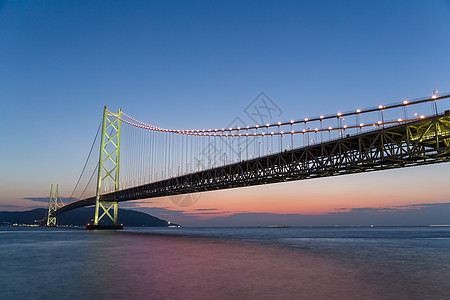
point(226, 263)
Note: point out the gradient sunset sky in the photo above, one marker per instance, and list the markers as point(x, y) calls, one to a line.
point(198, 64)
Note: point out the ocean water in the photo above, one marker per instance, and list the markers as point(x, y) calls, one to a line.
point(226, 263)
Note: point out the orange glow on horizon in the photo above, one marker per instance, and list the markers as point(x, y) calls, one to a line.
point(382, 189)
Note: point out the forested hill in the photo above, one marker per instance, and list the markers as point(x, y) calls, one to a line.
point(80, 217)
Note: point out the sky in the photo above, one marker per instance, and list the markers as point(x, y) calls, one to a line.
point(198, 64)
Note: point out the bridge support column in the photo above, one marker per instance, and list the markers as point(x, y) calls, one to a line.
point(52, 206)
point(108, 171)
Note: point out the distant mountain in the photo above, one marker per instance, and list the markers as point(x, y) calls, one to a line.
point(80, 217)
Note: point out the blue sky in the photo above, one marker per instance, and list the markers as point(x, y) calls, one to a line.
point(197, 64)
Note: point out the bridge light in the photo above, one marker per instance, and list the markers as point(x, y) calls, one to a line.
point(230, 128)
point(435, 94)
point(345, 126)
point(380, 106)
point(361, 124)
point(247, 127)
point(405, 102)
point(358, 110)
point(267, 124)
point(232, 134)
point(223, 129)
point(422, 116)
point(239, 134)
point(317, 129)
point(254, 133)
point(292, 121)
point(239, 128)
point(257, 126)
point(379, 122)
point(329, 128)
point(339, 114)
point(399, 120)
point(282, 132)
point(246, 134)
point(263, 133)
point(271, 133)
point(306, 119)
point(322, 117)
point(279, 123)
point(304, 130)
point(292, 131)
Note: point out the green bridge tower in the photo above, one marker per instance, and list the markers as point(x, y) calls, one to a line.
point(52, 206)
point(108, 171)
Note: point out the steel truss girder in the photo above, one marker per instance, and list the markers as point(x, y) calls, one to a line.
point(421, 142)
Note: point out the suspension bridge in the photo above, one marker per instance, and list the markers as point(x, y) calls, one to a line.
point(156, 162)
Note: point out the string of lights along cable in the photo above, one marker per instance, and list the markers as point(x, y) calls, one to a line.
point(149, 153)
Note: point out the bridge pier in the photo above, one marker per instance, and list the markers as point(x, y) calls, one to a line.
point(104, 227)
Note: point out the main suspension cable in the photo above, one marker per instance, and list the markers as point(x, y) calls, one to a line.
point(85, 164)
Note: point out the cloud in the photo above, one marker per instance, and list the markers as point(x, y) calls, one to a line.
point(46, 199)
point(8, 206)
point(370, 210)
point(413, 214)
point(210, 213)
point(132, 204)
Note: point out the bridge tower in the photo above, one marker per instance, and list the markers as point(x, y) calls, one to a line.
point(52, 205)
point(108, 170)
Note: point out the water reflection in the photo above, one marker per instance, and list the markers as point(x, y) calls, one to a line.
point(75, 264)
